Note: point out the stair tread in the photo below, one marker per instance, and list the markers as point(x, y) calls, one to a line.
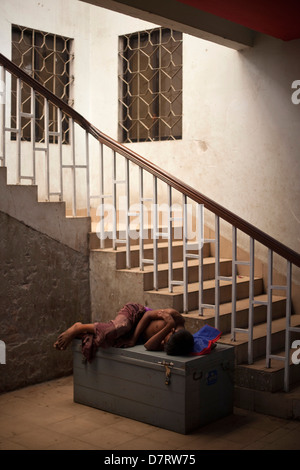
point(147, 246)
point(176, 264)
point(194, 286)
point(226, 307)
point(259, 331)
point(259, 364)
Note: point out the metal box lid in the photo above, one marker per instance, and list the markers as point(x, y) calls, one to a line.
point(181, 364)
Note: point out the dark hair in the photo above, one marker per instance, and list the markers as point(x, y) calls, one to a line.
point(180, 343)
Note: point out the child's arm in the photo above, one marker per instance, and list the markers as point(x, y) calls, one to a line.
point(140, 328)
point(155, 343)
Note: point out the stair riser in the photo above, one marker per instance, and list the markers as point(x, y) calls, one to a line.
point(162, 255)
point(193, 274)
point(165, 300)
point(267, 380)
point(259, 346)
point(94, 239)
point(242, 317)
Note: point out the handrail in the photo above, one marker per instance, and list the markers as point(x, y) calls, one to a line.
point(239, 223)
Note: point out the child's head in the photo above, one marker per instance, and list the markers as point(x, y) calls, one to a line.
point(180, 343)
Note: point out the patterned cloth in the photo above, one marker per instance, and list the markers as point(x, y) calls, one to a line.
point(106, 334)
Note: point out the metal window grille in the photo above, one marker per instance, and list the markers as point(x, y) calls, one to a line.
point(47, 58)
point(150, 86)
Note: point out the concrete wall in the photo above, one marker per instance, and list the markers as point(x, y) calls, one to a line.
point(44, 289)
point(44, 286)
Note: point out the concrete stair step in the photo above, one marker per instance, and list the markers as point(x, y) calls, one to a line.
point(257, 376)
point(94, 235)
point(193, 271)
point(285, 405)
point(194, 321)
point(259, 339)
point(162, 253)
point(21, 202)
point(162, 298)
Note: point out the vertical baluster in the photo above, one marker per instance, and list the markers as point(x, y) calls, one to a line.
point(60, 139)
point(170, 241)
point(32, 134)
point(141, 246)
point(217, 271)
point(127, 182)
point(288, 326)
point(201, 238)
point(269, 308)
point(101, 197)
point(2, 115)
point(87, 154)
point(114, 200)
point(74, 209)
point(234, 276)
point(47, 159)
point(185, 259)
point(251, 304)
point(19, 129)
point(155, 233)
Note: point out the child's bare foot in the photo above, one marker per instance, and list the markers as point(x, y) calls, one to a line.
point(67, 336)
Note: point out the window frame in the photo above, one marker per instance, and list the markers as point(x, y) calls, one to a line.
point(157, 130)
point(36, 66)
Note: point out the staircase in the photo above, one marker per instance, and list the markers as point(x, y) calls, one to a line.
point(255, 384)
point(206, 276)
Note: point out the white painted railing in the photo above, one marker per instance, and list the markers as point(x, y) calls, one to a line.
point(106, 176)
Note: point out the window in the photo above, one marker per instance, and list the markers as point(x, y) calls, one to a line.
point(47, 58)
point(150, 86)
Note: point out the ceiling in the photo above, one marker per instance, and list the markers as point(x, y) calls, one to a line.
point(279, 18)
point(231, 23)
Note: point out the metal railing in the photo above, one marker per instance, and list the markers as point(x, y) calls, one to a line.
point(108, 152)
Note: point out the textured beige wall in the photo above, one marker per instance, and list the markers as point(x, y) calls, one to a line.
point(44, 289)
point(240, 144)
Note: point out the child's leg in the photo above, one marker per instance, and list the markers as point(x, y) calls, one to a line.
point(75, 330)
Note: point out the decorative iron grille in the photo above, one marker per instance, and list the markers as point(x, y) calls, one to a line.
point(47, 58)
point(150, 91)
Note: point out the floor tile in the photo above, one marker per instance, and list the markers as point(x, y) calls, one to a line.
point(44, 416)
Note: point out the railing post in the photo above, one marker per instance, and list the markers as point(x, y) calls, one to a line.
point(128, 215)
point(2, 115)
point(185, 257)
point(141, 245)
point(74, 208)
point(217, 271)
point(114, 201)
point(234, 275)
point(33, 135)
point(288, 327)
point(170, 241)
point(155, 233)
point(269, 308)
point(59, 120)
point(47, 159)
point(251, 304)
point(200, 270)
point(87, 153)
point(18, 129)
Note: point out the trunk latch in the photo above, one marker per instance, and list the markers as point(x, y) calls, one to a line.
point(168, 366)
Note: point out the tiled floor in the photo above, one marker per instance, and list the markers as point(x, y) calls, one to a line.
point(44, 416)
